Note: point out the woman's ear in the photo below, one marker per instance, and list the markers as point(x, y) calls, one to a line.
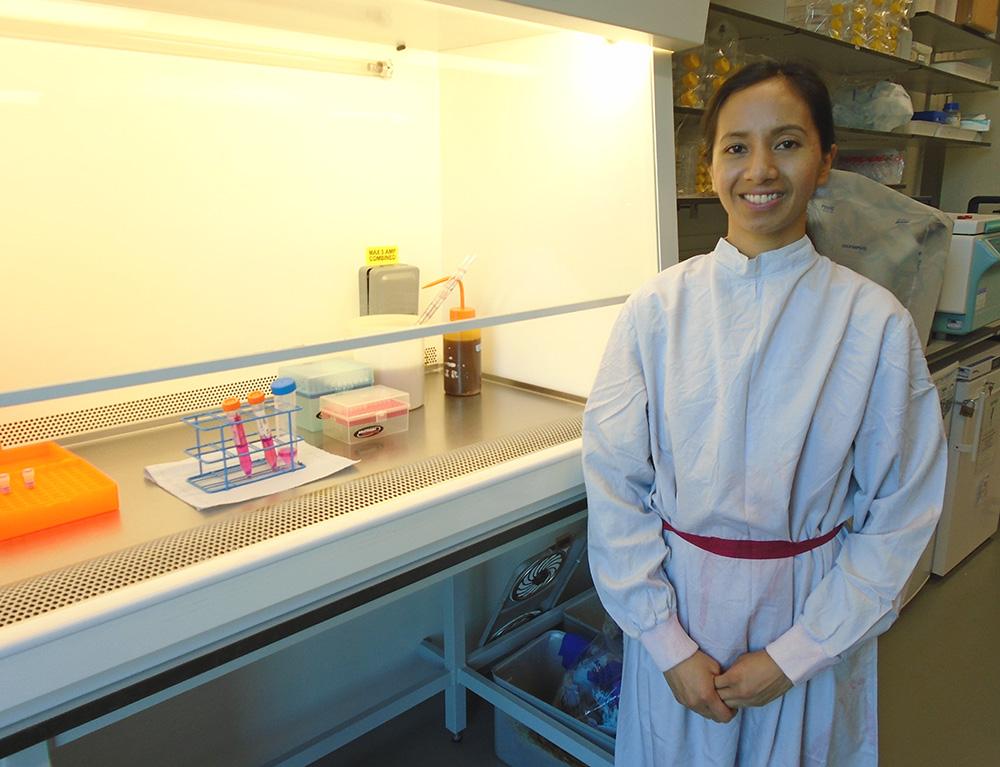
point(826, 164)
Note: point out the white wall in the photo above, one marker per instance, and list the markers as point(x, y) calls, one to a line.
point(548, 176)
point(969, 172)
point(160, 210)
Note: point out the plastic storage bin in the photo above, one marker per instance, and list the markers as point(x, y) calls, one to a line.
point(586, 616)
point(316, 379)
point(365, 414)
point(535, 673)
point(515, 744)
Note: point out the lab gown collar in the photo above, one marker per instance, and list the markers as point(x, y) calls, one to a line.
point(800, 253)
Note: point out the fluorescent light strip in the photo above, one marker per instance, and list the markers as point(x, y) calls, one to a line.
point(176, 45)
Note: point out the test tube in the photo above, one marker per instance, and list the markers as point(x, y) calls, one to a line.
point(4, 484)
point(231, 407)
point(256, 400)
point(283, 390)
point(28, 475)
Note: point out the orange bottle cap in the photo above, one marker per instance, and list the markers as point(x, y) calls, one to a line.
point(230, 403)
point(255, 397)
point(461, 313)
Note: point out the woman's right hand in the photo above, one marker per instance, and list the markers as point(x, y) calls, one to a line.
point(692, 682)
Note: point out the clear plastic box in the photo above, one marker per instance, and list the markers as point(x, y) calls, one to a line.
point(364, 414)
point(329, 376)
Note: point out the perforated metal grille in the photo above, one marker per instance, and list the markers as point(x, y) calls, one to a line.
point(32, 597)
point(124, 413)
point(430, 356)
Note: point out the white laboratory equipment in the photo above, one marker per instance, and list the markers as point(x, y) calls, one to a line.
point(945, 379)
point(971, 506)
point(970, 295)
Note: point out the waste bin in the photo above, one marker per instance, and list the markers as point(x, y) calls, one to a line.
point(535, 673)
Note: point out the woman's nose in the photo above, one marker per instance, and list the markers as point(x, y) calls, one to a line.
point(761, 166)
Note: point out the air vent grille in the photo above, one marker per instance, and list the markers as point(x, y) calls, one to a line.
point(124, 413)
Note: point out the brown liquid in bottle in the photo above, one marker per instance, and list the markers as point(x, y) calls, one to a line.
point(463, 365)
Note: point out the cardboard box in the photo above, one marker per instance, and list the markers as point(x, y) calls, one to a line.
point(921, 53)
point(978, 14)
point(974, 69)
point(946, 9)
point(786, 11)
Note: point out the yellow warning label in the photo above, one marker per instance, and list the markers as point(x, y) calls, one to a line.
point(382, 255)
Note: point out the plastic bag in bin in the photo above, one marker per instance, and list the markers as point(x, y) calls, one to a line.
point(592, 683)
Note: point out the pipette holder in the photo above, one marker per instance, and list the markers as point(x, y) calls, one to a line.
point(215, 448)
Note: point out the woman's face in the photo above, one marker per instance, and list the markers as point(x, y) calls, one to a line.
point(766, 164)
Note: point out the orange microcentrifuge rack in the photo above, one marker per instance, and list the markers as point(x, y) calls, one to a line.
point(67, 488)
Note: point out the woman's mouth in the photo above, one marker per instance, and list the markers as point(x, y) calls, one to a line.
point(762, 200)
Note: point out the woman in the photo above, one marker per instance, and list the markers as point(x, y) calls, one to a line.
point(765, 463)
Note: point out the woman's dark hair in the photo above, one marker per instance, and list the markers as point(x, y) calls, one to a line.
point(800, 77)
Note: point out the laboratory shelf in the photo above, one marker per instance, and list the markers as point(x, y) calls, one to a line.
point(863, 134)
point(945, 349)
point(778, 40)
point(887, 137)
point(693, 200)
point(944, 35)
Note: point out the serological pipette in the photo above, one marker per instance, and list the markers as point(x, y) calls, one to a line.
point(439, 299)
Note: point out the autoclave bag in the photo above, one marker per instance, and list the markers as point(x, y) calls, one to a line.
point(885, 236)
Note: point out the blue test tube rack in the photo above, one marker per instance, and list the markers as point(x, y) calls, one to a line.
point(215, 449)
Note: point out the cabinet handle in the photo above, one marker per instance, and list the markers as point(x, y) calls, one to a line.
point(976, 406)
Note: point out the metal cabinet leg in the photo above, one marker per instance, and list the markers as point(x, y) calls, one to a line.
point(454, 653)
point(36, 756)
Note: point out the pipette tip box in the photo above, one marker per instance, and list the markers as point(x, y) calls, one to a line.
point(329, 376)
point(365, 414)
point(65, 488)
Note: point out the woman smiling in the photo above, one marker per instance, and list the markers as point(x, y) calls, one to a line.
point(765, 463)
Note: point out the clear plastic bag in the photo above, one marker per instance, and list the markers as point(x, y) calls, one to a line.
point(817, 17)
point(883, 165)
point(885, 236)
point(592, 684)
point(878, 105)
point(699, 72)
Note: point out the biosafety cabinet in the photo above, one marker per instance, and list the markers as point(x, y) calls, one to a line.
point(189, 192)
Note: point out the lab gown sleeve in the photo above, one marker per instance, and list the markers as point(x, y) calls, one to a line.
point(900, 464)
point(626, 545)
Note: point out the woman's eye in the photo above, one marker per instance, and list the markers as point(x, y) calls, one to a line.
point(788, 143)
point(735, 149)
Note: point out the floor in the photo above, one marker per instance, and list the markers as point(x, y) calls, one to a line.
point(939, 680)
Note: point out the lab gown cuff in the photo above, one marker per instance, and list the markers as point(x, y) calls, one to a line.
point(668, 643)
point(798, 655)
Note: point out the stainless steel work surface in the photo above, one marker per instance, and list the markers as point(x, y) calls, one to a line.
point(148, 512)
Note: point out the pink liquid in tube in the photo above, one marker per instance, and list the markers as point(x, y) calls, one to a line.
point(256, 400)
point(231, 407)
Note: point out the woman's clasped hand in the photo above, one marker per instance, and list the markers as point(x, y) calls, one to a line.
point(699, 684)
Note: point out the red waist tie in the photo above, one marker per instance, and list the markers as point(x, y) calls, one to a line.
point(725, 547)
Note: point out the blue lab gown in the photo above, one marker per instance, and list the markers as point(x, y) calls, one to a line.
point(771, 399)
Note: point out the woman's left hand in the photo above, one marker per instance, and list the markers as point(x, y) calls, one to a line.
point(753, 680)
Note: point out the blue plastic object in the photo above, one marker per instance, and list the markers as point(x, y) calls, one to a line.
point(933, 116)
point(283, 386)
point(218, 461)
point(572, 647)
